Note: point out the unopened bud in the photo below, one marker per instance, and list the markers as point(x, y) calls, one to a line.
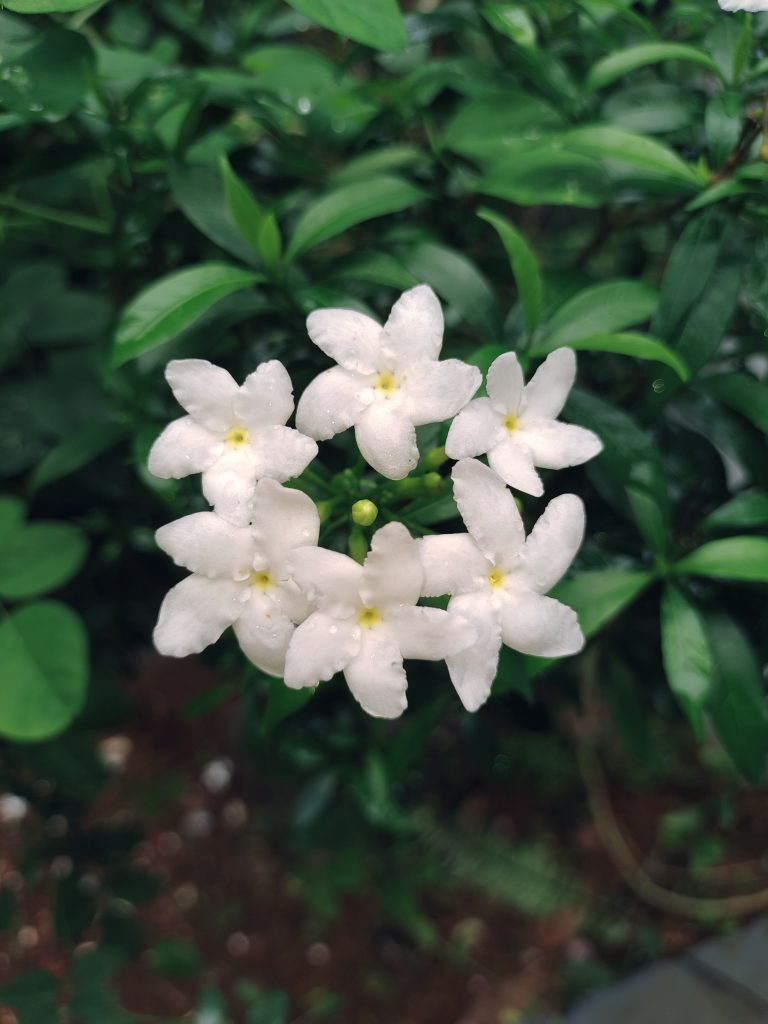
point(324, 509)
point(364, 512)
point(434, 458)
point(433, 482)
point(357, 546)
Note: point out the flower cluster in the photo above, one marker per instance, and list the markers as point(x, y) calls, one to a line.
point(303, 612)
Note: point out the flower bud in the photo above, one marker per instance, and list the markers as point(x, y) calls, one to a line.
point(433, 482)
point(324, 509)
point(357, 546)
point(364, 512)
point(434, 458)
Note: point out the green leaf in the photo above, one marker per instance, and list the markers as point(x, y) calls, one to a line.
point(599, 595)
point(43, 670)
point(11, 516)
point(493, 127)
point(638, 345)
point(282, 702)
point(512, 21)
point(75, 451)
point(742, 393)
point(547, 176)
point(46, 6)
point(167, 307)
point(376, 23)
point(623, 62)
point(686, 654)
point(742, 512)
point(600, 309)
point(32, 997)
point(737, 701)
point(200, 194)
point(733, 558)
point(39, 558)
point(649, 517)
point(50, 80)
point(336, 211)
point(246, 212)
point(604, 142)
point(524, 267)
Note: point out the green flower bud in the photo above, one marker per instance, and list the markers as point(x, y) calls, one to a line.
point(433, 482)
point(364, 512)
point(357, 546)
point(434, 458)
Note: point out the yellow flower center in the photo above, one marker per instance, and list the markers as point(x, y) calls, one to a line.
point(261, 579)
point(511, 423)
point(237, 436)
point(369, 617)
point(496, 578)
point(386, 384)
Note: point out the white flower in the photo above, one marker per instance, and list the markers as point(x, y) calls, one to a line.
point(388, 380)
point(744, 5)
point(240, 578)
point(499, 577)
point(516, 425)
point(233, 435)
point(367, 621)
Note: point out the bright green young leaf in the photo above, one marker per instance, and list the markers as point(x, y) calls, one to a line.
point(168, 306)
point(246, 211)
point(336, 211)
point(200, 194)
point(718, 193)
point(75, 451)
point(43, 670)
point(741, 392)
point(604, 142)
point(376, 23)
point(547, 176)
point(626, 344)
point(599, 595)
point(39, 558)
point(524, 267)
point(737, 702)
point(511, 20)
point(623, 62)
point(733, 558)
point(598, 310)
point(686, 653)
point(743, 512)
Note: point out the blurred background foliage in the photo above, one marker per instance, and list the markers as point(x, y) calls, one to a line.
point(190, 178)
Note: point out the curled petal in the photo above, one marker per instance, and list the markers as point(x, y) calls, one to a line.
point(438, 390)
point(513, 462)
point(206, 391)
point(208, 545)
point(264, 632)
point(538, 625)
point(392, 572)
point(351, 339)
point(266, 397)
point(330, 579)
point(547, 390)
point(473, 670)
point(282, 453)
point(283, 518)
point(414, 329)
point(320, 647)
point(452, 564)
point(559, 445)
point(195, 613)
point(376, 677)
point(505, 384)
point(553, 542)
point(229, 485)
point(333, 401)
point(387, 441)
point(476, 430)
point(429, 634)
point(184, 447)
point(488, 510)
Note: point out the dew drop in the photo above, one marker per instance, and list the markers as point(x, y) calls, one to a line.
point(333, 629)
point(304, 104)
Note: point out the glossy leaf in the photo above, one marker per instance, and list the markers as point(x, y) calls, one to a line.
point(598, 596)
point(43, 670)
point(733, 558)
point(740, 513)
point(50, 79)
point(524, 267)
point(168, 306)
point(623, 62)
point(686, 653)
point(638, 345)
point(377, 23)
point(547, 176)
point(246, 211)
point(600, 309)
point(491, 127)
point(200, 194)
point(743, 393)
point(38, 558)
point(605, 142)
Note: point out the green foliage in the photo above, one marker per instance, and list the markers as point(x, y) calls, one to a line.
point(377, 23)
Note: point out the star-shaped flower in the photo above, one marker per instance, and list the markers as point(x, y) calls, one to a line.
point(499, 578)
point(233, 435)
point(240, 578)
point(367, 621)
point(388, 380)
point(517, 426)
point(744, 5)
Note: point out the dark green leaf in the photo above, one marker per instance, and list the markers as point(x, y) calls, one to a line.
point(39, 558)
point(46, 6)
point(742, 393)
point(606, 142)
point(733, 558)
point(74, 452)
point(600, 595)
point(377, 23)
point(524, 267)
point(550, 176)
point(49, 81)
point(740, 513)
point(32, 997)
point(282, 702)
point(600, 309)
point(626, 344)
point(687, 656)
point(11, 516)
point(246, 211)
point(200, 193)
point(623, 62)
point(489, 128)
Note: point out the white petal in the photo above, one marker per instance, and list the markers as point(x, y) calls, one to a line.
point(291, 601)
point(333, 401)
point(351, 339)
point(184, 447)
point(553, 542)
point(387, 441)
point(436, 391)
point(452, 564)
point(488, 510)
point(229, 485)
point(414, 329)
point(475, 430)
point(558, 445)
point(208, 545)
point(513, 462)
point(330, 579)
point(744, 5)
point(206, 391)
point(376, 677)
point(429, 634)
point(319, 648)
point(538, 625)
point(547, 390)
point(195, 613)
point(281, 453)
point(265, 398)
point(264, 633)
point(283, 518)
point(392, 572)
point(473, 670)
point(505, 383)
